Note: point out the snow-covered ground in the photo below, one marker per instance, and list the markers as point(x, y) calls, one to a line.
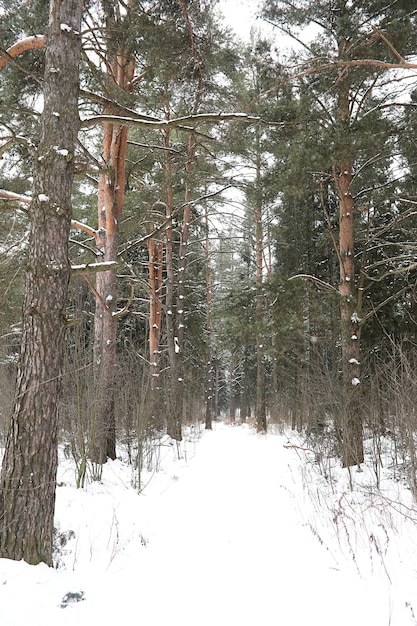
point(243, 529)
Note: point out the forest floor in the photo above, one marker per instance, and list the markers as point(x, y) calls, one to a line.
point(241, 529)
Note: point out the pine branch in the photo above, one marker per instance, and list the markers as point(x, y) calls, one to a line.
point(118, 108)
point(344, 65)
point(128, 303)
point(320, 283)
point(386, 301)
point(389, 44)
point(29, 43)
point(174, 123)
point(398, 270)
point(93, 268)
point(10, 195)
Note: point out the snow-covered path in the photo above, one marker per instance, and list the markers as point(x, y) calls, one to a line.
point(237, 552)
point(221, 540)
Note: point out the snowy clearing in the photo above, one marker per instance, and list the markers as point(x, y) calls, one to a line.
point(244, 529)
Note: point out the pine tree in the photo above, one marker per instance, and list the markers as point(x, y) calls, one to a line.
point(345, 95)
point(28, 475)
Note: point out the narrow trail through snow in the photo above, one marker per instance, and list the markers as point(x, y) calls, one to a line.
point(228, 545)
point(220, 540)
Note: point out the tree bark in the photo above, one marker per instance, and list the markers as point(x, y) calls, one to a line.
point(111, 194)
point(351, 418)
point(209, 364)
point(175, 408)
point(175, 286)
point(261, 425)
point(28, 475)
point(155, 268)
point(244, 396)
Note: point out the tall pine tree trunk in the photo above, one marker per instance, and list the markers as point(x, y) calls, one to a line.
point(155, 269)
point(351, 418)
point(28, 475)
point(175, 406)
point(261, 425)
point(209, 364)
point(244, 395)
point(105, 331)
point(111, 193)
point(175, 287)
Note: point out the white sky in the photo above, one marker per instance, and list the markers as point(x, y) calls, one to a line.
point(240, 15)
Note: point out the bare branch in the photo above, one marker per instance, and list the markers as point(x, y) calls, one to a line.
point(408, 202)
point(9, 195)
point(84, 246)
point(398, 259)
point(30, 43)
point(320, 283)
point(399, 270)
point(115, 106)
point(389, 44)
point(375, 310)
point(128, 303)
point(85, 228)
point(130, 245)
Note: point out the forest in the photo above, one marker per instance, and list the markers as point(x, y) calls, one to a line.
point(197, 228)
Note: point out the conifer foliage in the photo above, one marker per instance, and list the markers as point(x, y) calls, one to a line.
point(345, 89)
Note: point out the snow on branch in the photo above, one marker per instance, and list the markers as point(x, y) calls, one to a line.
point(191, 120)
point(84, 227)
point(89, 268)
point(116, 106)
point(9, 195)
point(410, 267)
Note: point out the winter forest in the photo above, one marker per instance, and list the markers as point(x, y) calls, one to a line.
point(199, 229)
